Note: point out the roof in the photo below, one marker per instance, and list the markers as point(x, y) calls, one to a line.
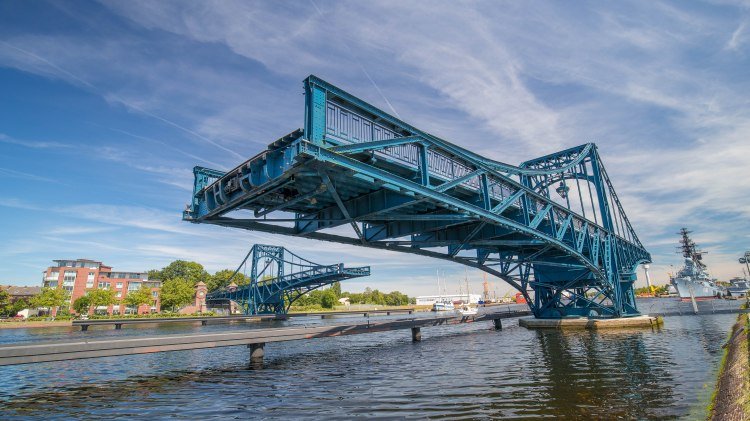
point(20, 290)
point(77, 260)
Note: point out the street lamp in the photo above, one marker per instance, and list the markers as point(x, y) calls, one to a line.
point(746, 261)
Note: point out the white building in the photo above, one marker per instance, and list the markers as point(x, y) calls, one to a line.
point(428, 300)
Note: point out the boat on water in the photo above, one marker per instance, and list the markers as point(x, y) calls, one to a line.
point(443, 306)
point(442, 300)
point(693, 281)
point(467, 310)
point(738, 287)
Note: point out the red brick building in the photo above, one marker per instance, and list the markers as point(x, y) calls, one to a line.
point(81, 275)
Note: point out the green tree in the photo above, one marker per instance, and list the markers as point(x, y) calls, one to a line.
point(101, 297)
point(49, 298)
point(17, 306)
point(139, 297)
point(177, 292)
point(4, 302)
point(82, 304)
point(328, 298)
point(189, 271)
point(336, 288)
point(221, 278)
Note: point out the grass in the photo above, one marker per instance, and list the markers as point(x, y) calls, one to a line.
point(743, 350)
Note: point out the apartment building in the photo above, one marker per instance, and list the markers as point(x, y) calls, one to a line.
point(79, 276)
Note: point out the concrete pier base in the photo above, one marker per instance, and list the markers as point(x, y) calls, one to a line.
point(256, 352)
point(585, 323)
point(416, 334)
point(498, 324)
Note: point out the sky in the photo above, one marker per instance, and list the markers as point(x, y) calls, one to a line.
point(105, 107)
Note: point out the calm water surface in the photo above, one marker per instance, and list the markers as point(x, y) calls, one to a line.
point(466, 371)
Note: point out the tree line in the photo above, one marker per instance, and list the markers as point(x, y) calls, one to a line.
point(179, 279)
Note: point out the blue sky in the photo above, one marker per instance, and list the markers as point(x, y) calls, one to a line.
point(105, 107)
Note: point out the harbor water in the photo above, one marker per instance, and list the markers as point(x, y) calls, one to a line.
point(465, 371)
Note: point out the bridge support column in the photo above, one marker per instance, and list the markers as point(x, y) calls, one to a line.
point(498, 324)
point(256, 353)
point(416, 334)
point(84, 328)
point(204, 322)
point(118, 326)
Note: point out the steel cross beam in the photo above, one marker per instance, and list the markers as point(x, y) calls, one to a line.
point(403, 189)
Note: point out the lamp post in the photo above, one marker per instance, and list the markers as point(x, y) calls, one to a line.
point(746, 260)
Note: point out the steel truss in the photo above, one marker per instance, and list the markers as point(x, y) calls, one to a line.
point(552, 227)
point(278, 277)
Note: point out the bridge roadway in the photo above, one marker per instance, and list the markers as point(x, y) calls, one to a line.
point(255, 339)
point(118, 323)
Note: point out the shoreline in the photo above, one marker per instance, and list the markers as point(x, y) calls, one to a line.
point(34, 324)
point(731, 399)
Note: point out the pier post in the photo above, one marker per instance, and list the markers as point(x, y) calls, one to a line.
point(498, 324)
point(118, 326)
point(84, 328)
point(416, 334)
point(204, 322)
point(256, 352)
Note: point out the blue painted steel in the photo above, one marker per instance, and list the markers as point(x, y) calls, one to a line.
point(277, 278)
point(552, 227)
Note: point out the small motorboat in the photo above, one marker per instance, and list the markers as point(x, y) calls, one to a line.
point(466, 310)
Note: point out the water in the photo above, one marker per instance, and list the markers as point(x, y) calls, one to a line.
point(467, 371)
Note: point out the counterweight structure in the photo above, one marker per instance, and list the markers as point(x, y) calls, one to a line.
point(277, 278)
point(552, 227)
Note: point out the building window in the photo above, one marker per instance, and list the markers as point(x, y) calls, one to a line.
point(118, 285)
point(70, 275)
point(104, 285)
point(155, 294)
point(89, 284)
point(134, 286)
point(119, 294)
point(54, 274)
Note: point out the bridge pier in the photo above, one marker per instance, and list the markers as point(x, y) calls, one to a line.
point(498, 324)
point(256, 353)
point(416, 334)
point(84, 328)
point(118, 326)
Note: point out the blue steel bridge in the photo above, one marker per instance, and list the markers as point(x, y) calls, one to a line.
point(278, 277)
point(552, 227)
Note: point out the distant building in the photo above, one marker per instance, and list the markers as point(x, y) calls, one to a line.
point(81, 275)
point(20, 293)
point(428, 300)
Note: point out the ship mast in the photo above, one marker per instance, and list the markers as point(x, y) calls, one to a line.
point(689, 249)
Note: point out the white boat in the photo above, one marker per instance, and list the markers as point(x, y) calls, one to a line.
point(442, 306)
point(466, 310)
point(442, 302)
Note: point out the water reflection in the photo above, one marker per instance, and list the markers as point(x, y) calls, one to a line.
point(458, 371)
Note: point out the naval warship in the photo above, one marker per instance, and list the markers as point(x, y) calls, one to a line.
point(693, 279)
